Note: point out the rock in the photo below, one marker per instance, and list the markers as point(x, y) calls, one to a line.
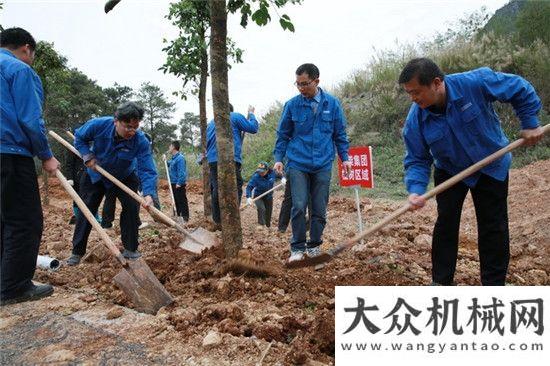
point(57, 246)
point(88, 298)
point(114, 313)
point(212, 339)
point(347, 272)
point(529, 230)
point(537, 277)
point(62, 355)
point(314, 363)
point(423, 241)
point(280, 292)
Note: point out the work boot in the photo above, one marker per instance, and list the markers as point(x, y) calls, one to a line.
point(73, 260)
point(36, 292)
point(128, 254)
point(296, 255)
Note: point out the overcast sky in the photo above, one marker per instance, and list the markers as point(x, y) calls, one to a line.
point(125, 46)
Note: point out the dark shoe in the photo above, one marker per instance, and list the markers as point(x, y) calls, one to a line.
point(282, 231)
point(36, 292)
point(128, 254)
point(72, 221)
point(73, 260)
point(107, 226)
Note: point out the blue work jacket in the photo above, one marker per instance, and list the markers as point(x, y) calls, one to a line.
point(261, 184)
point(120, 157)
point(309, 138)
point(239, 125)
point(22, 129)
point(178, 169)
point(469, 130)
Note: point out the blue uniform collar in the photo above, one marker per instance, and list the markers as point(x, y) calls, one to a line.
point(317, 98)
point(452, 94)
point(7, 52)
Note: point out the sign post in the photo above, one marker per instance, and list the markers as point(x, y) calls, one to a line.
point(360, 176)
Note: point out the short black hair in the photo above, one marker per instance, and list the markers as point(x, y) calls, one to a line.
point(176, 145)
point(310, 69)
point(423, 68)
point(128, 111)
point(13, 38)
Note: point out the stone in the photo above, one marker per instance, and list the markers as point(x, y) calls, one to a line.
point(212, 339)
point(114, 313)
point(529, 230)
point(58, 356)
point(423, 241)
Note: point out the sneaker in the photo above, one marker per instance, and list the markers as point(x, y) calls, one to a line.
point(313, 252)
point(73, 260)
point(128, 254)
point(143, 225)
point(106, 226)
point(296, 255)
point(36, 292)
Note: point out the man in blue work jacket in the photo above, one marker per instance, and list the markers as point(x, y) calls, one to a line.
point(239, 125)
point(119, 147)
point(311, 129)
point(452, 125)
point(22, 136)
point(260, 182)
point(178, 177)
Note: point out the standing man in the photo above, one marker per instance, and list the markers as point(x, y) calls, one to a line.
point(239, 125)
point(119, 147)
point(22, 136)
point(311, 129)
point(452, 125)
point(178, 176)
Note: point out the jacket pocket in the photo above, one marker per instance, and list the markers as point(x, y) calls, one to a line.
point(436, 138)
point(470, 118)
point(327, 122)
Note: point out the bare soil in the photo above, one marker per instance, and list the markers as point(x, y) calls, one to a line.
point(88, 320)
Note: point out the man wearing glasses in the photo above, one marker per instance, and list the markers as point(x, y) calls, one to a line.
point(311, 129)
point(114, 143)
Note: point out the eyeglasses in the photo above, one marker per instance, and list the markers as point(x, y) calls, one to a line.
point(304, 84)
point(129, 128)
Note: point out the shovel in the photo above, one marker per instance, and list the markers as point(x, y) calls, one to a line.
point(194, 242)
point(263, 194)
point(135, 279)
point(170, 186)
point(333, 252)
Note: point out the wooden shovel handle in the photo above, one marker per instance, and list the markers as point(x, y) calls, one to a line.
point(152, 210)
point(88, 214)
point(169, 185)
point(433, 192)
point(263, 194)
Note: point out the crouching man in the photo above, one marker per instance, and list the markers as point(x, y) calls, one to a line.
point(116, 144)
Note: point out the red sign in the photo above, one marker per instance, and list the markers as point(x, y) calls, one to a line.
point(361, 168)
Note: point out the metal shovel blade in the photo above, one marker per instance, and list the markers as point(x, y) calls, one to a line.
point(202, 236)
point(309, 261)
point(141, 286)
